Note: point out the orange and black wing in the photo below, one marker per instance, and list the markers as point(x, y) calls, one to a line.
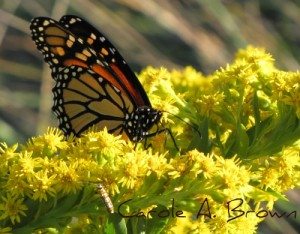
point(105, 50)
point(83, 99)
point(88, 92)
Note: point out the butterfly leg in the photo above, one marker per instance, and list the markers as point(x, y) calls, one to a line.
point(164, 130)
point(145, 144)
point(172, 137)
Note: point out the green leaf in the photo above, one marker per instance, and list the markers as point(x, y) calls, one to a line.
point(242, 141)
point(59, 215)
point(203, 144)
point(275, 132)
point(156, 224)
point(256, 118)
point(256, 192)
point(238, 142)
point(116, 224)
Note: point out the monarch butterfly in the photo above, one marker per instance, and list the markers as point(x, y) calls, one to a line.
point(94, 86)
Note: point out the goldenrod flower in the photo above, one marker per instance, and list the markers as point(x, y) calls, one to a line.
point(102, 143)
point(7, 155)
point(6, 152)
point(134, 168)
point(12, 207)
point(48, 144)
point(41, 185)
point(232, 175)
point(238, 134)
point(67, 179)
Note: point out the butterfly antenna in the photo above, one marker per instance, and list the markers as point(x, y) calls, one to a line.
point(187, 123)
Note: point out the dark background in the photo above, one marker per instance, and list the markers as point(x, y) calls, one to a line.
point(170, 33)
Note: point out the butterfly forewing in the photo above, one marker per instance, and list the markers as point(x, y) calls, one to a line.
point(55, 42)
point(62, 48)
point(105, 50)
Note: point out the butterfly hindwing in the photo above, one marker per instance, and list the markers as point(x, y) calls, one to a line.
point(83, 99)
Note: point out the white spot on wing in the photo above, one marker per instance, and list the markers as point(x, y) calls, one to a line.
point(93, 36)
point(72, 21)
point(46, 22)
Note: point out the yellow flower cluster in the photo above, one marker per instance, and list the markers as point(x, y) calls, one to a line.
point(238, 134)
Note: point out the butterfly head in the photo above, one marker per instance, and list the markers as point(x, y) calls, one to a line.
point(138, 123)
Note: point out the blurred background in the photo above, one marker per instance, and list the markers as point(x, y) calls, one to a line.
point(171, 33)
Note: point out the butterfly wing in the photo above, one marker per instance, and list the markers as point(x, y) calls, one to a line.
point(83, 99)
point(87, 92)
point(105, 50)
point(61, 48)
